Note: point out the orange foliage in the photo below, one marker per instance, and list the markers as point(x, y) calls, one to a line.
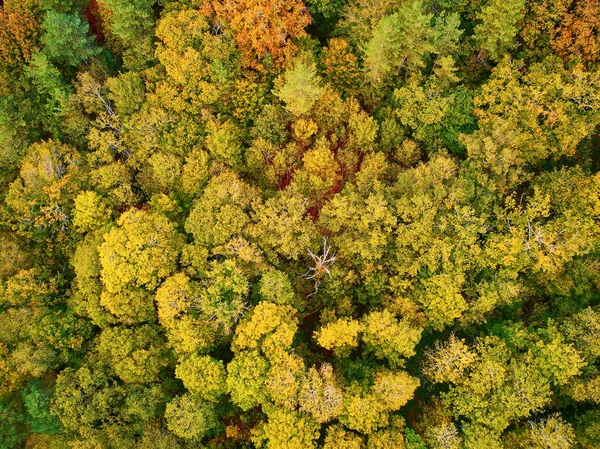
point(263, 27)
point(566, 27)
point(579, 30)
point(19, 32)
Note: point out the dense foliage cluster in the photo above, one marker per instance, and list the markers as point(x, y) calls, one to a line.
point(277, 224)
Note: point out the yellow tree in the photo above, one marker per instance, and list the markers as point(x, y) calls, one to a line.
point(41, 198)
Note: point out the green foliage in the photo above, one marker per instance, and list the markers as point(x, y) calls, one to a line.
point(300, 88)
point(299, 224)
point(132, 22)
point(36, 398)
point(400, 41)
point(275, 287)
point(190, 418)
point(246, 379)
point(497, 31)
point(282, 226)
point(9, 426)
point(86, 397)
point(221, 212)
point(224, 298)
point(66, 39)
point(136, 355)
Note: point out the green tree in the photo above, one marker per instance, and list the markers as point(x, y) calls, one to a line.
point(300, 88)
point(222, 211)
point(36, 398)
point(246, 379)
point(190, 418)
point(400, 41)
point(136, 355)
point(499, 24)
point(86, 397)
point(9, 426)
point(281, 226)
point(66, 39)
point(131, 22)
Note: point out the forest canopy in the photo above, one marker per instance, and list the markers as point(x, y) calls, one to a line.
point(296, 224)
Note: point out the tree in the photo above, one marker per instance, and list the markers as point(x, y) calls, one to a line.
point(281, 226)
point(275, 287)
point(20, 32)
point(341, 336)
point(575, 33)
point(126, 91)
point(188, 329)
point(52, 89)
point(189, 418)
point(552, 432)
point(66, 39)
point(246, 375)
point(41, 198)
point(389, 338)
point(131, 22)
point(360, 17)
point(267, 327)
point(202, 376)
point(224, 143)
point(300, 88)
point(341, 66)
point(86, 397)
point(395, 389)
point(9, 426)
point(36, 398)
point(140, 252)
point(449, 360)
point(221, 213)
point(128, 258)
point(87, 286)
point(400, 40)
point(287, 429)
point(363, 412)
point(320, 394)
point(223, 298)
point(319, 173)
point(339, 438)
point(195, 172)
point(284, 377)
point(513, 382)
point(361, 223)
point(500, 23)
point(91, 211)
point(389, 437)
point(263, 30)
point(136, 355)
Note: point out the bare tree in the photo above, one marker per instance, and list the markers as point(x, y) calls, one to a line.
point(322, 264)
